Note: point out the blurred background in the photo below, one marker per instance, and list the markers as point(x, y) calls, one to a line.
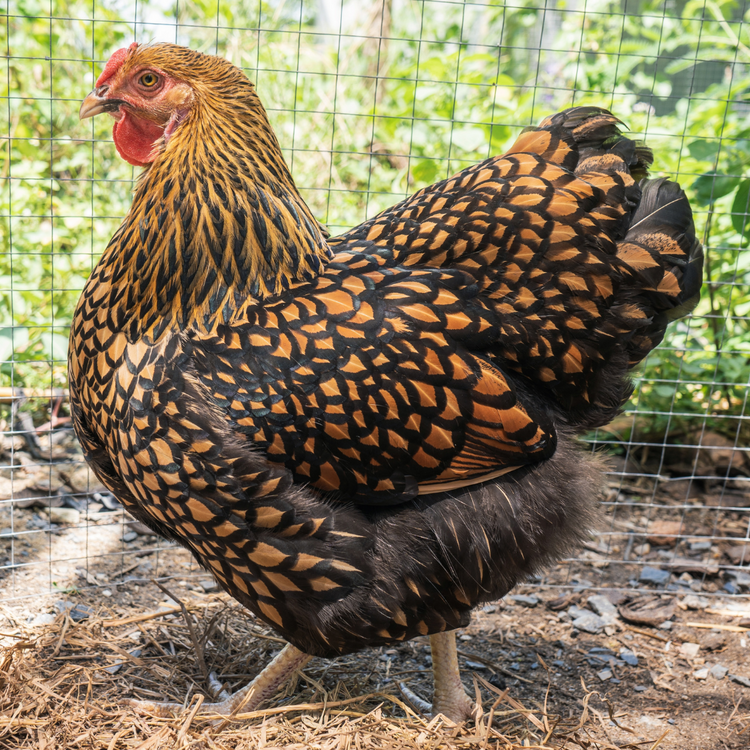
point(372, 100)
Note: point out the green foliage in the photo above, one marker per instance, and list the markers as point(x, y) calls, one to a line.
point(369, 115)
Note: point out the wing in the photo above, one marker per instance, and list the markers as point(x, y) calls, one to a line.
point(372, 386)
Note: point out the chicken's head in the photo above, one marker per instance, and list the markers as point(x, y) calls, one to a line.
point(147, 102)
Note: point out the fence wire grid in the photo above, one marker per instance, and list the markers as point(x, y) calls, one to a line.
point(371, 101)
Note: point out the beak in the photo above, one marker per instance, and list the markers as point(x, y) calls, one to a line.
point(96, 103)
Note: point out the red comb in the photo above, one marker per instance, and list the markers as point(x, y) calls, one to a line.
point(114, 63)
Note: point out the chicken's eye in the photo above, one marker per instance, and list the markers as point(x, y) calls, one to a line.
point(149, 80)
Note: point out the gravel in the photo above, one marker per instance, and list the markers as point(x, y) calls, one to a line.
point(524, 601)
point(657, 576)
point(77, 612)
point(589, 623)
point(603, 607)
point(628, 657)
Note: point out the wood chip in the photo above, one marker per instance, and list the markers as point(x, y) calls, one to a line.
point(711, 626)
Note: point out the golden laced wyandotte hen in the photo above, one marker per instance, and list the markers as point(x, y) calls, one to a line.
point(363, 437)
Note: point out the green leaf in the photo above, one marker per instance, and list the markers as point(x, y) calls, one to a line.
point(740, 209)
point(55, 346)
point(425, 170)
point(704, 150)
point(12, 339)
point(709, 187)
point(6, 344)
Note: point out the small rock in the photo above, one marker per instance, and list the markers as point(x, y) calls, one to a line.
point(666, 625)
point(650, 721)
point(63, 515)
point(43, 618)
point(475, 665)
point(603, 607)
point(741, 579)
point(107, 592)
point(37, 522)
point(689, 650)
point(739, 554)
point(589, 623)
point(701, 674)
point(525, 601)
point(640, 688)
point(654, 575)
point(744, 681)
point(107, 499)
point(695, 602)
point(601, 655)
point(140, 528)
point(628, 657)
point(664, 533)
point(129, 536)
point(713, 641)
point(115, 668)
point(730, 588)
point(497, 681)
point(604, 675)
point(616, 596)
point(642, 549)
point(700, 546)
point(718, 672)
point(208, 585)
point(77, 612)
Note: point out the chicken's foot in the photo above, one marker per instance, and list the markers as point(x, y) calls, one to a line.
point(450, 698)
point(263, 687)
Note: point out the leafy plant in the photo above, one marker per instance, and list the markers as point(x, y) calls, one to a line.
point(371, 105)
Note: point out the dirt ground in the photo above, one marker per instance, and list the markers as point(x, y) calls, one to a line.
point(641, 642)
point(62, 681)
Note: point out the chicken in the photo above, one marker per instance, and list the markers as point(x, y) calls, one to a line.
point(363, 437)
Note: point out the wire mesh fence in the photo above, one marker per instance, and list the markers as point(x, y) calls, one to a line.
point(371, 101)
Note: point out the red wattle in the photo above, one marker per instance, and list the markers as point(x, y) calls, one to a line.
point(134, 138)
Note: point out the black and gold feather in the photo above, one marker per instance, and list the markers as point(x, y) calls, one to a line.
point(364, 437)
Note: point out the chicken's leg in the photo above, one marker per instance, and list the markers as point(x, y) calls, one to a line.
point(450, 698)
point(249, 698)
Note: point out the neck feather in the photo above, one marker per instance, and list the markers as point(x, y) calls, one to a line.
point(215, 219)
